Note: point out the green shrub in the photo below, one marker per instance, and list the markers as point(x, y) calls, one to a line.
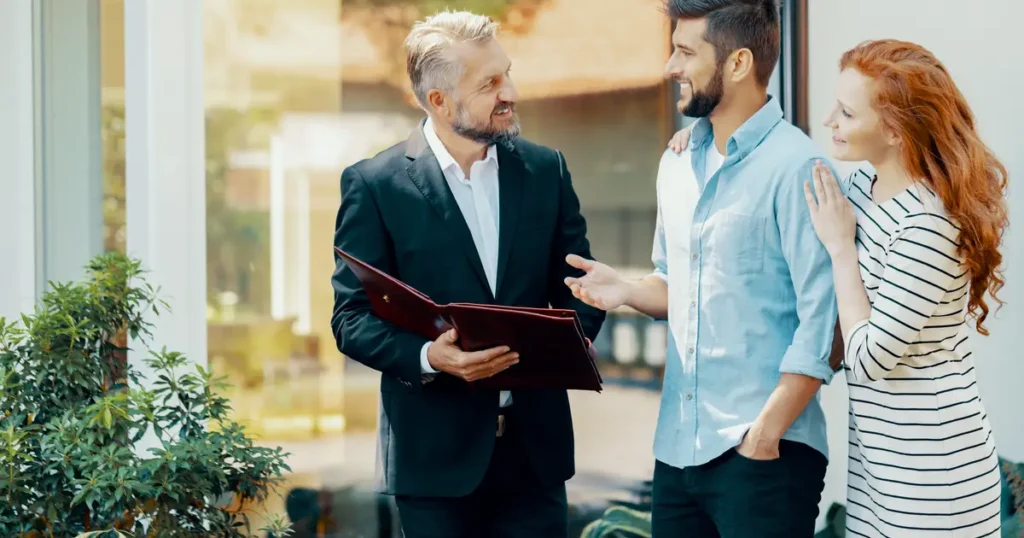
point(73, 414)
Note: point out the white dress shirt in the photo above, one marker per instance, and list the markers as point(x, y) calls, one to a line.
point(477, 197)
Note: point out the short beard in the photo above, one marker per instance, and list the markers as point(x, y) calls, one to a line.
point(705, 101)
point(486, 134)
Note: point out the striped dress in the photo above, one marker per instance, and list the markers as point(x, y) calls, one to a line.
point(922, 456)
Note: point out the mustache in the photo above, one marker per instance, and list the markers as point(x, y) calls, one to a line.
point(511, 105)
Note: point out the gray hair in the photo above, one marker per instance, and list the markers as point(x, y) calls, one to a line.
point(427, 47)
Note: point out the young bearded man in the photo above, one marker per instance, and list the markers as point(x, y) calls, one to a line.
point(746, 287)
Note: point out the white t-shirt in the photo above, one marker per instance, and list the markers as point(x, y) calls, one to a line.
point(678, 192)
point(712, 162)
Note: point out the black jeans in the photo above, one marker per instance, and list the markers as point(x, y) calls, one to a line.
point(511, 502)
point(735, 497)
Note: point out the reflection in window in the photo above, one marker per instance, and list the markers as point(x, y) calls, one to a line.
point(296, 90)
point(112, 122)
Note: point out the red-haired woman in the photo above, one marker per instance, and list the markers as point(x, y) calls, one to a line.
point(915, 247)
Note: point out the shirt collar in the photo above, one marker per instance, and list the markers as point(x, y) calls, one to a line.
point(748, 136)
point(444, 158)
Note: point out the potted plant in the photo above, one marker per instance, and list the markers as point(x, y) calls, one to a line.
point(76, 421)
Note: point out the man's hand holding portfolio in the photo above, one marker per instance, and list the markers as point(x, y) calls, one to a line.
point(445, 355)
point(479, 343)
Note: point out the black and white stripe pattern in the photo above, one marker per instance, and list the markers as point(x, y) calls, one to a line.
point(922, 456)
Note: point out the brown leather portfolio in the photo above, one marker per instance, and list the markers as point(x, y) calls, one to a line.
point(553, 351)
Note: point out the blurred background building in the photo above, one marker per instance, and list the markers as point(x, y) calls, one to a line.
point(208, 137)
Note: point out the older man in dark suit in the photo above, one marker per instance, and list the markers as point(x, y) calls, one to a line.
point(465, 211)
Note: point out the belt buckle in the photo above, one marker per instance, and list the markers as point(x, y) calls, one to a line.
point(501, 425)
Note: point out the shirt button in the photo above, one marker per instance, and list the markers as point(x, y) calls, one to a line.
point(693, 303)
point(693, 256)
point(690, 350)
point(689, 395)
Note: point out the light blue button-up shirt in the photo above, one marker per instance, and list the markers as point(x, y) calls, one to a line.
point(750, 291)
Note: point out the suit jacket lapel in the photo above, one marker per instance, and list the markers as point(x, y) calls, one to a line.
point(511, 174)
point(426, 174)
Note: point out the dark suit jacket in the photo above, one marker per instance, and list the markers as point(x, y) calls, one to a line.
point(398, 214)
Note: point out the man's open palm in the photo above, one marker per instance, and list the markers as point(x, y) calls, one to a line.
point(601, 287)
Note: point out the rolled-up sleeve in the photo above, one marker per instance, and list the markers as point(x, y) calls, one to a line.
point(810, 269)
point(659, 254)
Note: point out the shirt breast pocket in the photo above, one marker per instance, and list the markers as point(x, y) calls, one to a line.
point(737, 244)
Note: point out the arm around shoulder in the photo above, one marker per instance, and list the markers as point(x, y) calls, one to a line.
point(360, 230)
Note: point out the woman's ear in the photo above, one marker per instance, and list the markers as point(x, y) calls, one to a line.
point(891, 138)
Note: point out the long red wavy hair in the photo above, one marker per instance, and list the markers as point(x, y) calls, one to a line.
point(917, 99)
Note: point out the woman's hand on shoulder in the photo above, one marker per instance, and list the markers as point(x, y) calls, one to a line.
point(679, 140)
point(831, 212)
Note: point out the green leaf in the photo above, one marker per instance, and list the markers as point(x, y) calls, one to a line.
point(67, 431)
point(78, 497)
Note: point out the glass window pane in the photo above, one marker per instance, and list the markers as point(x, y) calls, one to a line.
point(274, 147)
point(298, 90)
point(69, 136)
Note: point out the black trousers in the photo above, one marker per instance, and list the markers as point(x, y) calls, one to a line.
point(736, 497)
point(509, 503)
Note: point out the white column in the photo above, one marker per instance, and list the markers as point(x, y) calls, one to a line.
point(165, 163)
point(278, 208)
point(18, 239)
point(304, 313)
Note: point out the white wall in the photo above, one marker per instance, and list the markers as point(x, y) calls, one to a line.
point(979, 43)
point(165, 165)
point(51, 199)
point(17, 162)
